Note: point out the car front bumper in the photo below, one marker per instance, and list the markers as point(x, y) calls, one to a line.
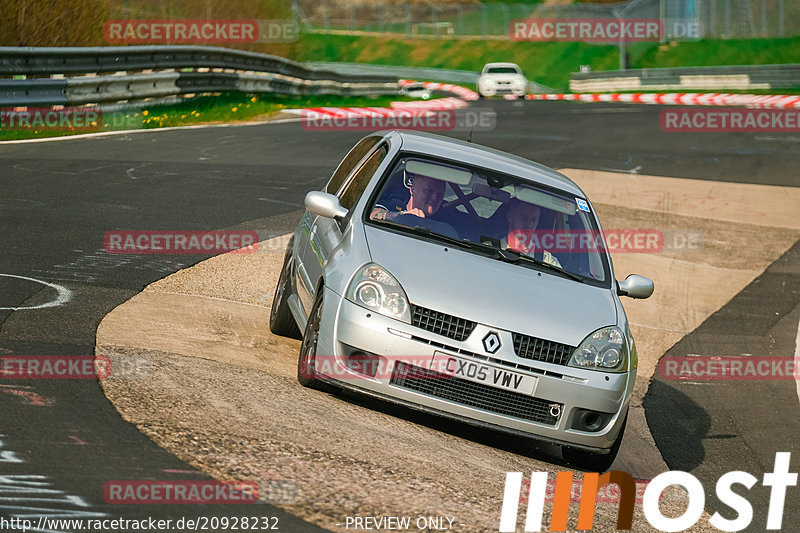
point(347, 328)
point(496, 90)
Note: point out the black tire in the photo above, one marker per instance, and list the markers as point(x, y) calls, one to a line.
point(594, 462)
point(281, 321)
point(306, 374)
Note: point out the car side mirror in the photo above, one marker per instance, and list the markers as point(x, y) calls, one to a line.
point(636, 286)
point(325, 205)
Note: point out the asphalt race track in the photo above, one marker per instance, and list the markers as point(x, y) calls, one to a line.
point(61, 441)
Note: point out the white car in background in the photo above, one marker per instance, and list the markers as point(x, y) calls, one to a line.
point(416, 90)
point(501, 79)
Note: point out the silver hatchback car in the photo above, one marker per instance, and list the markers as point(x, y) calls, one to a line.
point(463, 281)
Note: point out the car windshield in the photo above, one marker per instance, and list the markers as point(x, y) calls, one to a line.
point(494, 214)
point(502, 70)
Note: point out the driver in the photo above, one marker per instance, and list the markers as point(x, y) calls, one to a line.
point(426, 199)
point(523, 219)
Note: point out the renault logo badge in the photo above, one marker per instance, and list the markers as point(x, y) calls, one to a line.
point(491, 342)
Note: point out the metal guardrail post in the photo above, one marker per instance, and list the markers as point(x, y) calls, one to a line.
point(298, 15)
point(727, 19)
point(506, 16)
point(713, 18)
point(781, 17)
point(524, 10)
point(749, 15)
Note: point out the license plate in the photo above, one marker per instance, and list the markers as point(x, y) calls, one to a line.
point(478, 372)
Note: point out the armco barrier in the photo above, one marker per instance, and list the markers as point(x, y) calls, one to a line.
point(178, 70)
point(765, 101)
point(744, 77)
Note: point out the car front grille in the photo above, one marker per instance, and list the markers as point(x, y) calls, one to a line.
point(441, 323)
point(537, 349)
point(472, 394)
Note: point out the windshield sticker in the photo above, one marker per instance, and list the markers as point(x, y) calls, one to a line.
point(582, 205)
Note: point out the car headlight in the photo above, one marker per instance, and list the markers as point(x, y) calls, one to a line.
point(518, 82)
point(374, 288)
point(605, 349)
point(487, 81)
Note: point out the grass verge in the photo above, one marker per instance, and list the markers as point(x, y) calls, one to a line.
point(211, 109)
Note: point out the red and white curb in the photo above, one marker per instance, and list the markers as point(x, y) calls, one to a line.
point(414, 108)
point(687, 99)
point(346, 112)
point(440, 104)
point(461, 92)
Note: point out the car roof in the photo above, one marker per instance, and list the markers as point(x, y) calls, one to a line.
point(483, 156)
point(492, 65)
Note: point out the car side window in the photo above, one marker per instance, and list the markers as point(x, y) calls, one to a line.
point(352, 191)
point(349, 163)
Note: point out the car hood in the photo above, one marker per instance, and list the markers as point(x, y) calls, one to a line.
point(492, 292)
point(502, 77)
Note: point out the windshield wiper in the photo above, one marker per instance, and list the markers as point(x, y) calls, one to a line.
point(427, 232)
point(513, 256)
point(507, 255)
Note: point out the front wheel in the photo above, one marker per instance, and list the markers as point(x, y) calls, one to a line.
point(594, 462)
point(281, 321)
point(306, 373)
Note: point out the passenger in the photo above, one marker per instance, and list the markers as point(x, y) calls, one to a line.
point(523, 220)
